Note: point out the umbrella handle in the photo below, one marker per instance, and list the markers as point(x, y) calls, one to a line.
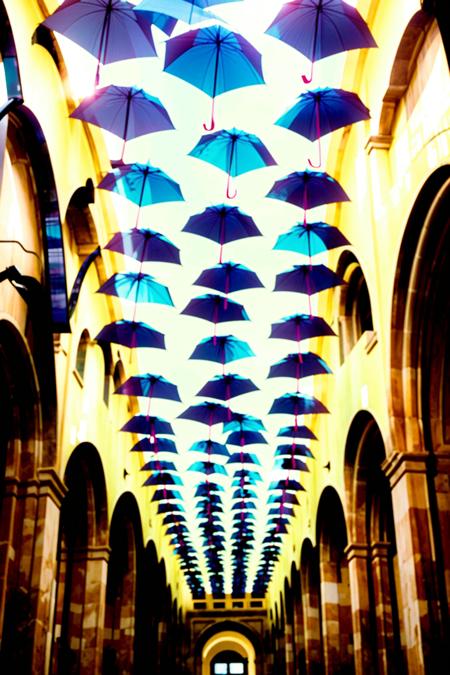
point(212, 123)
point(307, 79)
point(229, 194)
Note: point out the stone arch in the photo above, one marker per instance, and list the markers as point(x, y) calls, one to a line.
point(83, 554)
point(334, 584)
point(312, 611)
point(226, 627)
point(121, 587)
point(354, 307)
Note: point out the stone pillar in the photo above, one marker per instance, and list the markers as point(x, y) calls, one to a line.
point(93, 619)
point(357, 557)
point(289, 649)
point(407, 473)
point(9, 503)
point(299, 637)
point(313, 643)
point(329, 592)
point(387, 653)
point(442, 485)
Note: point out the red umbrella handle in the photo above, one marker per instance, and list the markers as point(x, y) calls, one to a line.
point(307, 79)
point(230, 195)
point(212, 124)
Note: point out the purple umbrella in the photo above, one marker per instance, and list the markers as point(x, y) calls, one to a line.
point(150, 386)
point(308, 189)
point(127, 112)
point(206, 413)
point(210, 447)
point(317, 112)
point(148, 425)
point(244, 458)
point(222, 224)
point(286, 485)
point(301, 327)
point(221, 349)
point(188, 11)
point(228, 277)
point(290, 464)
point(311, 238)
point(233, 151)
point(243, 437)
point(244, 422)
point(163, 478)
point(212, 308)
point(144, 245)
point(225, 387)
point(297, 432)
point(288, 499)
point(309, 279)
point(320, 28)
point(208, 468)
point(110, 30)
point(137, 287)
point(159, 465)
point(293, 450)
point(156, 445)
point(299, 365)
point(161, 495)
point(215, 60)
point(297, 404)
point(131, 334)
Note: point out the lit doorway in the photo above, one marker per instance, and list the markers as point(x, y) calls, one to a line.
point(229, 663)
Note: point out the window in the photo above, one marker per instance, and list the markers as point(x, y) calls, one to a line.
point(107, 357)
point(355, 312)
point(80, 363)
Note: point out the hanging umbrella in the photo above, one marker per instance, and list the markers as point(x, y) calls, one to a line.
point(127, 112)
point(299, 366)
point(290, 464)
point(222, 224)
point(211, 307)
point(131, 334)
point(163, 478)
point(308, 279)
point(208, 468)
point(163, 21)
point(210, 447)
point(163, 495)
point(205, 412)
point(246, 477)
point(110, 30)
point(244, 493)
point(286, 485)
point(215, 60)
point(243, 458)
point(244, 422)
point(297, 404)
point(143, 184)
point(208, 488)
point(317, 112)
point(148, 425)
point(311, 238)
point(158, 465)
point(299, 327)
point(297, 432)
point(245, 438)
point(320, 28)
point(233, 151)
point(225, 387)
point(286, 498)
point(228, 277)
point(156, 446)
point(136, 287)
point(221, 349)
point(188, 11)
point(293, 450)
point(149, 385)
point(308, 189)
point(144, 245)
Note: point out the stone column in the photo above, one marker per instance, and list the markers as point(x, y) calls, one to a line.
point(329, 592)
point(299, 637)
point(407, 473)
point(442, 485)
point(9, 504)
point(289, 649)
point(93, 620)
point(357, 557)
point(313, 643)
point(387, 654)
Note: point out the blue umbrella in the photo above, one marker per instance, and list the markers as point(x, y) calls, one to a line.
point(208, 468)
point(233, 151)
point(297, 432)
point(293, 450)
point(163, 21)
point(150, 386)
point(286, 485)
point(290, 464)
point(159, 465)
point(243, 458)
point(228, 277)
point(155, 445)
point(244, 493)
point(317, 112)
point(188, 11)
point(144, 245)
point(208, 488)
point(212, 307)
point(299, 365)
point(108, 29)
point(143, 184)
point(287, 498)
point(308, 189)
point(221, 349)
point(163, 478)
point(222, 224)
point(244, 422)
point(210, 447)
point(205, 412)
point(137, 287)
point(163, 495)
point(215, 60)
point(245, 438)
point(225, 387)
point(148, 425)
point(297, 404)
point(320, 28)
point(311, 238)
point(308, 279)
point(127, 112)
point(299, 327)
point(131, 334)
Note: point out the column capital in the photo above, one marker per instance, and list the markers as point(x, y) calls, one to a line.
point(51, 485)
point(355, 550)
point(380, 549)
point(379, 142)
point(400, 463)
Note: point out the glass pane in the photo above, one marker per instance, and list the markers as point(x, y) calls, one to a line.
point(221, 668)
point(236, 668)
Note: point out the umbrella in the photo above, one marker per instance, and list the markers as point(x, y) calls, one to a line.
point(228, 277)
point(143, 184)
point(297, 432)
point(308, 189)
point(159, 465)
point(163, 478)
point(286, 485)
point(244, 422)
point(156, 445)
point(243, 458)
point(245, 438)
point(290, 463)
point(208, 488)
point(131, 334)
point(144, 245)
point(164, 495)
point(311, 238)
point(243, 494)
point(224, 387)
point(233, 151)
point(148, 425)
point(286, 498)
point(208, 468)
point(309, 279)
point(221, 349)
point(211, 307)
point(205, 412)
point(299, 366)
point(162, 21)
point(222, 224)
point(137, 287)
point(210, 448)
point(320, 28)
point(297, 404)
point(293, 450)
point(108, 29)
point(189, 11)
point(149, 385)
point(215, 60)
point(127, 112)
point(301, 327)
point(317, 112)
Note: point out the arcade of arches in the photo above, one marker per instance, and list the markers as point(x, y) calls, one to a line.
point(88, 582)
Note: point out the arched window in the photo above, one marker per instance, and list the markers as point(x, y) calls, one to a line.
point(355, 311)
point(80, 363)
point(108, 363)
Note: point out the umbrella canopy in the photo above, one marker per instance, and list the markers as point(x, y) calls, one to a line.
point(297, 404)
point(211, 307)
point(320, 28)
point(148, 425)
point(299, 366)
point(110, 30)
point(245, 438)
point(286, 485)
point(222, 224)
point(162, 495)
point(290, 464)
point(159, 465)
point(215, 60)
point(228, 277)
point(206, 413)
point(234, 151)
point(163, 478)
point(131, 334)
point(311, 238)
point(301, 327)
point(156, 445)
point(210, 447)
point(243, 458)
point(221, 349)
point(309, 279)
point(164, 22)
point(293, 450)
point(308, 189)
point(244, 422)
point(208, 468)
point(189, 11)
point(286, 498)
point(297, 432)
point(224, 387)
point(127, 112)
point(136, 287)
point(144, 245)
point(149, 385)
